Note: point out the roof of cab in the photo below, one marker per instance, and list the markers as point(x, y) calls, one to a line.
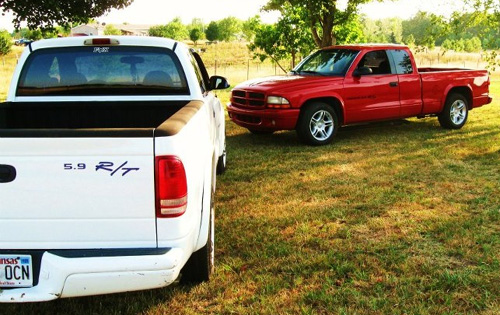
point(367, 46)
point(122, 40)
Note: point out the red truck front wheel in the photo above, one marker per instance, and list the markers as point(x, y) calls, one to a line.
point(317, 124)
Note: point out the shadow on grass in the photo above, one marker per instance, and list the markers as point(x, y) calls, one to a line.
point(290, 139)
point(119, 303)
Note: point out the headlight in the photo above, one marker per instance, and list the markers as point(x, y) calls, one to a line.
point(278, 100)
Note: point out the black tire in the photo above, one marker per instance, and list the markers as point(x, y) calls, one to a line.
point(222, 162)
point(261, 132)
point(318, 124)
point(200, 266)
point(455, 112)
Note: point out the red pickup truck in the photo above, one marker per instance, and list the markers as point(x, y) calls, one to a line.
point(343, 85)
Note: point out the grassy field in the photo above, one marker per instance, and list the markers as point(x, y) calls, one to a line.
point(392, 218)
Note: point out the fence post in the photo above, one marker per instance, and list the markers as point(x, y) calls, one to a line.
point(215, 70)
point(248, 69)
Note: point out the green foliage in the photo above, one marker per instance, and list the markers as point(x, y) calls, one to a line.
point(426, 29)
point(492, 59)
point(175, 30)
point(324, 17)
point(481, 24)
point(195, 35)
point(472, 45)
point(410, 40)
point(111, 30)
point(229, 28)
point(45, 14)
point(266, 44)
point(286, 39)
point(212, 31)
point(196, 23)
point(5, 43)
point(350, 32)
point(250, 27)
point(157, 30)
point(383, 31)
point(37, 34)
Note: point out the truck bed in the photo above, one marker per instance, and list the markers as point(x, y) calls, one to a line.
point(88, 117)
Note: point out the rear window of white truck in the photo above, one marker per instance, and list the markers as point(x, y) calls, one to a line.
point(107, 70)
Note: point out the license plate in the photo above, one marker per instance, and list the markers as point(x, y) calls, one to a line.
point(16, 271)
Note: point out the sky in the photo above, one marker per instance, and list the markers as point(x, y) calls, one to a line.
point(163, 11)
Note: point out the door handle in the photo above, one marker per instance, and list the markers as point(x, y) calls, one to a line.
point(393, 84)
point(7, 173)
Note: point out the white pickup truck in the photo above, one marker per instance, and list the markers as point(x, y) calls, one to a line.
point(109, 149)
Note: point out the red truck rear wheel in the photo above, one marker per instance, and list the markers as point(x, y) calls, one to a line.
point(455, 112)
point(318, 124)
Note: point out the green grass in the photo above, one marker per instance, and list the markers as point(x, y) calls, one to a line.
point(392, 218)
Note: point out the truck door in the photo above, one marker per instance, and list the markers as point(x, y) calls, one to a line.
point(410, 90)
point(372, 96)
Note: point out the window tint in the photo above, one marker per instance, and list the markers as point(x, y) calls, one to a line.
point(102, 71)
point(402, 61)
point(327, 62)
point(377, 61)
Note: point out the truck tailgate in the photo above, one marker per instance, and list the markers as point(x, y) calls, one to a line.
point(71, 193)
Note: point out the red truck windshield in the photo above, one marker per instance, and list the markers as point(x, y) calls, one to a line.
point(334, 62)
point(110, 70)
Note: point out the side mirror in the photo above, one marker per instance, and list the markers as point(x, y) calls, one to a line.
point(362, 71)
point(218, 83)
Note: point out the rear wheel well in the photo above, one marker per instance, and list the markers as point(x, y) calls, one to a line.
point(465, 91)
point(331, 101)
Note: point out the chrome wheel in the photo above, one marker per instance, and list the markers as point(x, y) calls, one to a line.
point(321, 125)
point(455, 112)
point(458, 112)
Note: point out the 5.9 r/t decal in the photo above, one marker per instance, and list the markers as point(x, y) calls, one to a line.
point(109, 167)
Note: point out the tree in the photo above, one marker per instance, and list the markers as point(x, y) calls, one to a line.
point(250, 26)
point(196, 23)
point(111, 30)
point(265, 45)
point(212, 31)
point(195, 35)
point(288, 38)
point(322, 16)
point(5, 42)
point(46, 14)
point(175, 30)
point(426, 29)
point(229, 28)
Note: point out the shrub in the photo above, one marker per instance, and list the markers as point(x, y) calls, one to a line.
point(5, 43)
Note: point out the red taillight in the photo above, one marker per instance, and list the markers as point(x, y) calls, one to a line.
point(171, 187)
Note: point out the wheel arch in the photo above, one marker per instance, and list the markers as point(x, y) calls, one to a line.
point(462, 90)
point(334, 102)
point(207, 202)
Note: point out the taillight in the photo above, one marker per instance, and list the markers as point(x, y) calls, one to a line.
point(171, 187)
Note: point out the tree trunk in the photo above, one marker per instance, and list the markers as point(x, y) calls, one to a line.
point(326, 21)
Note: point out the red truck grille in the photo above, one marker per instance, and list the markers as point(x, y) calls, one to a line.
point(248, 99)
